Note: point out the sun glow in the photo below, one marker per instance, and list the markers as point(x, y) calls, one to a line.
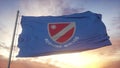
point(4, 52)
point(74, 60)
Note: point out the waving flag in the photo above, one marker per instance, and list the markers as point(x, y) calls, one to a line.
point(47, 35)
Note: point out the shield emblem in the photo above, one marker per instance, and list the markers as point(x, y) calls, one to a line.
point(61, 32)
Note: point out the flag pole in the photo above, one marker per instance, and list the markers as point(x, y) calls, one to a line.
point(13, 38)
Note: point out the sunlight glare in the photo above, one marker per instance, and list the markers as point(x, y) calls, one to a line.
point(4, 52)
point(76, 59)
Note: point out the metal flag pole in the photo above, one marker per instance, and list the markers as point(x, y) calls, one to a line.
point(13, 38)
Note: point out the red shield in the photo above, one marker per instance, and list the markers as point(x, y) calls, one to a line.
point(61, 32)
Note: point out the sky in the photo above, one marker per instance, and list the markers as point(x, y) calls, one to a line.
point(110, 16)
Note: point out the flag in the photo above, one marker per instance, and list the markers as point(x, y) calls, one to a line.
point(47, 35)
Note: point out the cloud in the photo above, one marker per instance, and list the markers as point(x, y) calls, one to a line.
point(23, 64)
point(104, 64)
point(114, 26)
point(116, 20)
point(71, 10)
point(50, 7)
point(112, 51)
point(39, 7)
point(2, 26)
point(112, 64)
point(2, 45)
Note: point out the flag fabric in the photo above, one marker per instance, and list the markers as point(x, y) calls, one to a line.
point(46, 35)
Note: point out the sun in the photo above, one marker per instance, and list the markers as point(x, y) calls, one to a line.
point(76, 60)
